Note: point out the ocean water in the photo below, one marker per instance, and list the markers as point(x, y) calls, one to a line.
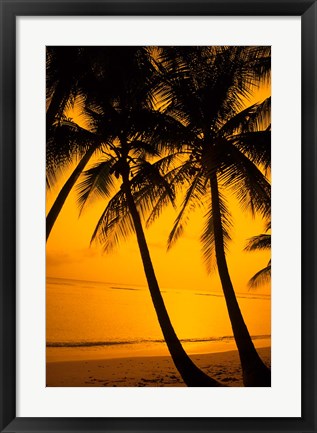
point(89, 320)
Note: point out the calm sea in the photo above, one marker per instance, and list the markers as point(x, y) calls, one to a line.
point(88, 320)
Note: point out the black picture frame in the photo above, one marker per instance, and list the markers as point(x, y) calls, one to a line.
point(10, 9)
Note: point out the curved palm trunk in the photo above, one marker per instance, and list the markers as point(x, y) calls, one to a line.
point(63, 194)
point(255, 373)
point(190, 373)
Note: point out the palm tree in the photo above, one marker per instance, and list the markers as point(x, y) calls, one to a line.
point(126, 131)
point(67, 71)
point(140, 184)
point(77, 73)
point(204, 88)
point(258, 243)
point(67, 142)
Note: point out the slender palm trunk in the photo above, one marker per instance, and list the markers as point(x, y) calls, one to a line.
point(63, 194)
point(190, 373)
point(255, 373)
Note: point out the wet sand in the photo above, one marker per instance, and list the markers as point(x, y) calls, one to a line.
point(151, 371)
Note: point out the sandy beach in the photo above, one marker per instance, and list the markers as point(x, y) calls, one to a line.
point(150, 371)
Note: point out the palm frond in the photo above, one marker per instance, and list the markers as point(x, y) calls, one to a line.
point(260, 119)
point(97, 182)
point(259, 242)
point(66, 141)
point(261, 277)
point(253, 118)
point(115, 223)
point(259, 59)
point(244, 178)
point(268, 226)
point(192, 200)
point(150, 189)
point(142, 148)
point(255, 145)
point(162, 193)
point(209, 84)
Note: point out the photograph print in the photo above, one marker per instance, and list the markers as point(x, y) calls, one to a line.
point(158, 216)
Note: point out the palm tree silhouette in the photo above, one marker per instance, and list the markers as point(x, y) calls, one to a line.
point(258, 243)
point(204, 88)
point(72, 74)
point(67, 141)
point(68, 69)
point(127, 131)
point(134, 138)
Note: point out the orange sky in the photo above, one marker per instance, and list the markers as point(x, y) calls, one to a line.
point(69, 254)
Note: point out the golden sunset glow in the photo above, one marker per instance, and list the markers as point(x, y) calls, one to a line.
point(70, 255)
point(194, 299)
